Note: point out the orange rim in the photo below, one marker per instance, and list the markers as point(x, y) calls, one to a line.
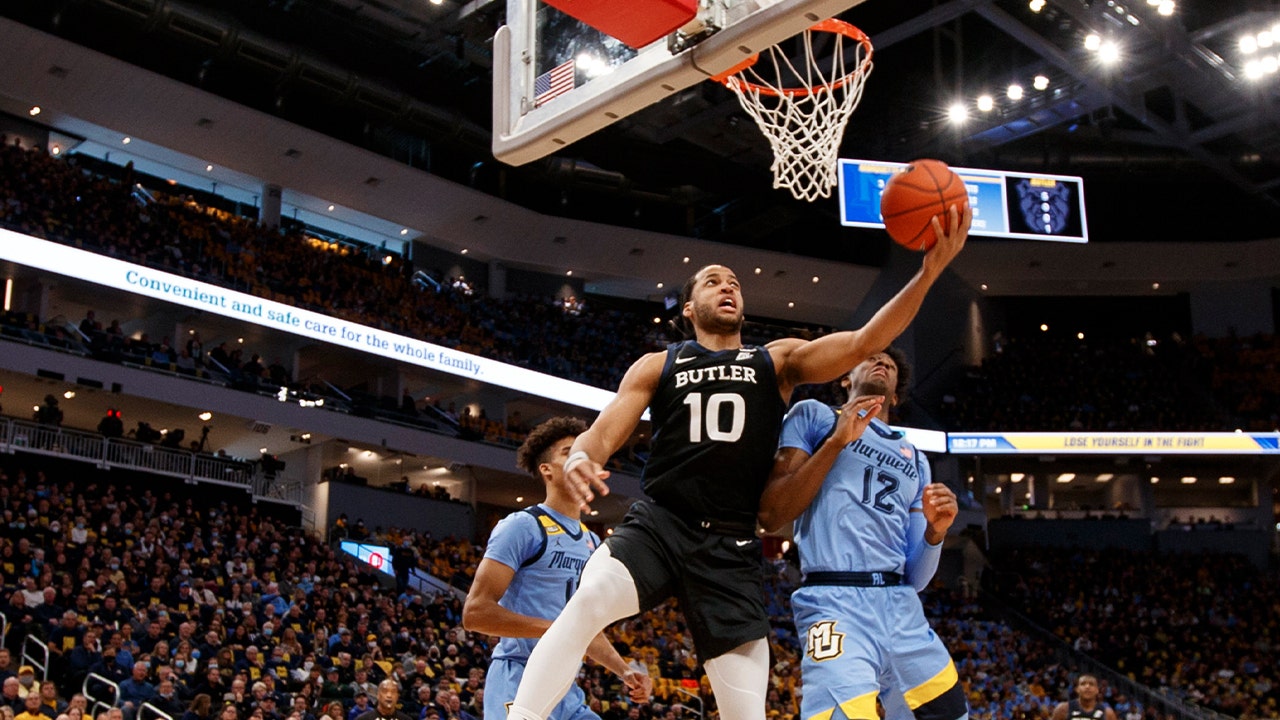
point(831, 25)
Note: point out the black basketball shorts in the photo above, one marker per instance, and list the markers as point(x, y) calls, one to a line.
point(717, 579)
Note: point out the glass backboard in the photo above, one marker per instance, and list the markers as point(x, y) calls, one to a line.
point(557, 80)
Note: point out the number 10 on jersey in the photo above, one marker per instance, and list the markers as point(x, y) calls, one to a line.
point(712, 417)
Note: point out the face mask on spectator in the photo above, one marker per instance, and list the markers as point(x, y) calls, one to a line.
point(180, 664)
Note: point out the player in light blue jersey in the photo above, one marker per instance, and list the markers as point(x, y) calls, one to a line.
point(529, 571)
point(869, 527)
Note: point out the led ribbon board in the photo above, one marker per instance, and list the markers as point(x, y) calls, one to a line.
point(120, 275)
point(1118, 443)
point(1024, 206)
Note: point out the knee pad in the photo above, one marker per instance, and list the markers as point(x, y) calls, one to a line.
point(950, 705)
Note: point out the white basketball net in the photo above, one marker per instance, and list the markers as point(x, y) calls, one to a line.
point(803, 112)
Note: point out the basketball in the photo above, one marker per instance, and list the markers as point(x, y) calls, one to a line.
point(914, 196)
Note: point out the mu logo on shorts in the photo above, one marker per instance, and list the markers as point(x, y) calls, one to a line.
point(824, 642)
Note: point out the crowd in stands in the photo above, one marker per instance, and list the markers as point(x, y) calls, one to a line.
point(1041, 382)
point(1200, 627)
point(1244, 373)
point(189, 603)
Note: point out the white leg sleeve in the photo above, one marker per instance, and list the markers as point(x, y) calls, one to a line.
point(605, 593)
point(739, 678)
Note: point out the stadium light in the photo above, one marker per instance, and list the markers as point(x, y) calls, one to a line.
point(1040, 83)
point(1109, 52)
point(1166, 8)
point(1015, 92)
point(1092, 41)
point(957, 113)
point(1248, 44)
point(986, 103)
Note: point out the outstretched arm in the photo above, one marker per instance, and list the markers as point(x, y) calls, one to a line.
point(831, 356)
point(584, 467)
point(797, 476)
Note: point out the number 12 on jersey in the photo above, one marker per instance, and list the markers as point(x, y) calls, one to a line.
point(711, 417)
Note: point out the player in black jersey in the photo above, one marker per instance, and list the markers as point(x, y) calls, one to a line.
point(717, 407)
point(1086, 705)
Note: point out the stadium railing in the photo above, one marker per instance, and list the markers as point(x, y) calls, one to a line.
point(36, 654)
point(21, 435)
point(152, 712)
point(93, 684)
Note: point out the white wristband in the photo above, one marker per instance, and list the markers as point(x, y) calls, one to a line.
point(574, 459)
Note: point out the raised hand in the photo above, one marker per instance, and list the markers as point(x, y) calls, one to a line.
point(855, 416)
point(951, 240)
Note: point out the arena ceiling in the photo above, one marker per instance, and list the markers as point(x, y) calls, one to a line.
point(1174, 140)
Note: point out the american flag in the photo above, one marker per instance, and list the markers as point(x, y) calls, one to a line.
point(553, 83)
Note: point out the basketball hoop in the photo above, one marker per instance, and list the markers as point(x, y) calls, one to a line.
point(803, 111)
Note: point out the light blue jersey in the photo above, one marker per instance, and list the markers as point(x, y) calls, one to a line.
point(858, 521)
point(864, 638)
point(547, 550)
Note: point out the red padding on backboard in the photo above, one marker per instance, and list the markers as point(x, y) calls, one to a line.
point(635, 22)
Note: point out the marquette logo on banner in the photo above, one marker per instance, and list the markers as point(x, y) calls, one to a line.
point(1115, 443)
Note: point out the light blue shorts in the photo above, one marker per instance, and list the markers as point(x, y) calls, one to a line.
point(860, 640)
point(501, 682)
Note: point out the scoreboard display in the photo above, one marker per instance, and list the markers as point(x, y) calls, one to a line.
point(1024, 206)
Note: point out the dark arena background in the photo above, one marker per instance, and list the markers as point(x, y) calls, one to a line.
point(275, 320)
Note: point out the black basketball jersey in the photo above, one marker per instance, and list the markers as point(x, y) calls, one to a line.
point(716, 418)
point(1074, 710)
